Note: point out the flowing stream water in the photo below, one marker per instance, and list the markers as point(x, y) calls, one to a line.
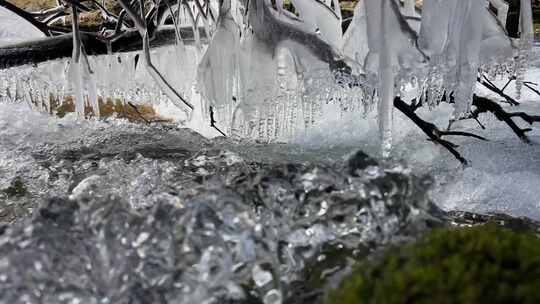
point(114, 212)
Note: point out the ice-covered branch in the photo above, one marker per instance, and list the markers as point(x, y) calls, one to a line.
point(80, 73)
point(141, 25)
point(34, 52)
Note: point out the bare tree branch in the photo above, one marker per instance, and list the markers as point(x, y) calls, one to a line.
point(489, 85)
point(432, 131)
point(484, 105)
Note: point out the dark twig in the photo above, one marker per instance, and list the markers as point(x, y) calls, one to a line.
point(432, 131)
point(489, 85)
point(479, 123)
point(509, 81)
point(213, 122)
point(528, 85)
point(459, 133)
point(416, 104)
point(530, 119)
point(483, 105)
point(138, 112)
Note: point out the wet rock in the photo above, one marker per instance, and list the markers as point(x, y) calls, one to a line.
point(360, 161)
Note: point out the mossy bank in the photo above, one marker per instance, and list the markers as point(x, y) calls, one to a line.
point(483, 264)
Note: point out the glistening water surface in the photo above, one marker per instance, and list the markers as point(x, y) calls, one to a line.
point(114, 212)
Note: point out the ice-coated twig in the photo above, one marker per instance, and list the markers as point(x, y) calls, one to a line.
point(79, 68)
point(175, 23)
point(213, 122)
point(203, 14)
point(140, 24)
point(51, 13)
point(195, 27)
point(105, 13)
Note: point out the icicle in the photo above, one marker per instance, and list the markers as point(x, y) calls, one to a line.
point(218, 69)
point(80, 74)
point(194, 26)
point(75, 77)
point(409, 8)
point(326, 22)
point(502, 10)
point(91, 87)
point(525, 43)
point(355, 44)
point(451, 34)
point(386, 78)
point(469, 43)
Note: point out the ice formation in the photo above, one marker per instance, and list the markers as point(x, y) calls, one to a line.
point(270, 67)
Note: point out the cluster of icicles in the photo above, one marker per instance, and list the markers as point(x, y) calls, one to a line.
point(115, 77)
point(260, 80)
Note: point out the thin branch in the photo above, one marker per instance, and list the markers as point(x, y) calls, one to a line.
point(169, 90)
point(51, 19)
point(175, 23)
point(432, 131)
point(489, 85)
point(44, 14)
point(138, 113)
point(483, 105)
point(459, 133)
point(528, 85)
point(213, 122)
point(105, 13)
point(508, 82)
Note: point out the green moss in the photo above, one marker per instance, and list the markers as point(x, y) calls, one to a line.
point(484, 264)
